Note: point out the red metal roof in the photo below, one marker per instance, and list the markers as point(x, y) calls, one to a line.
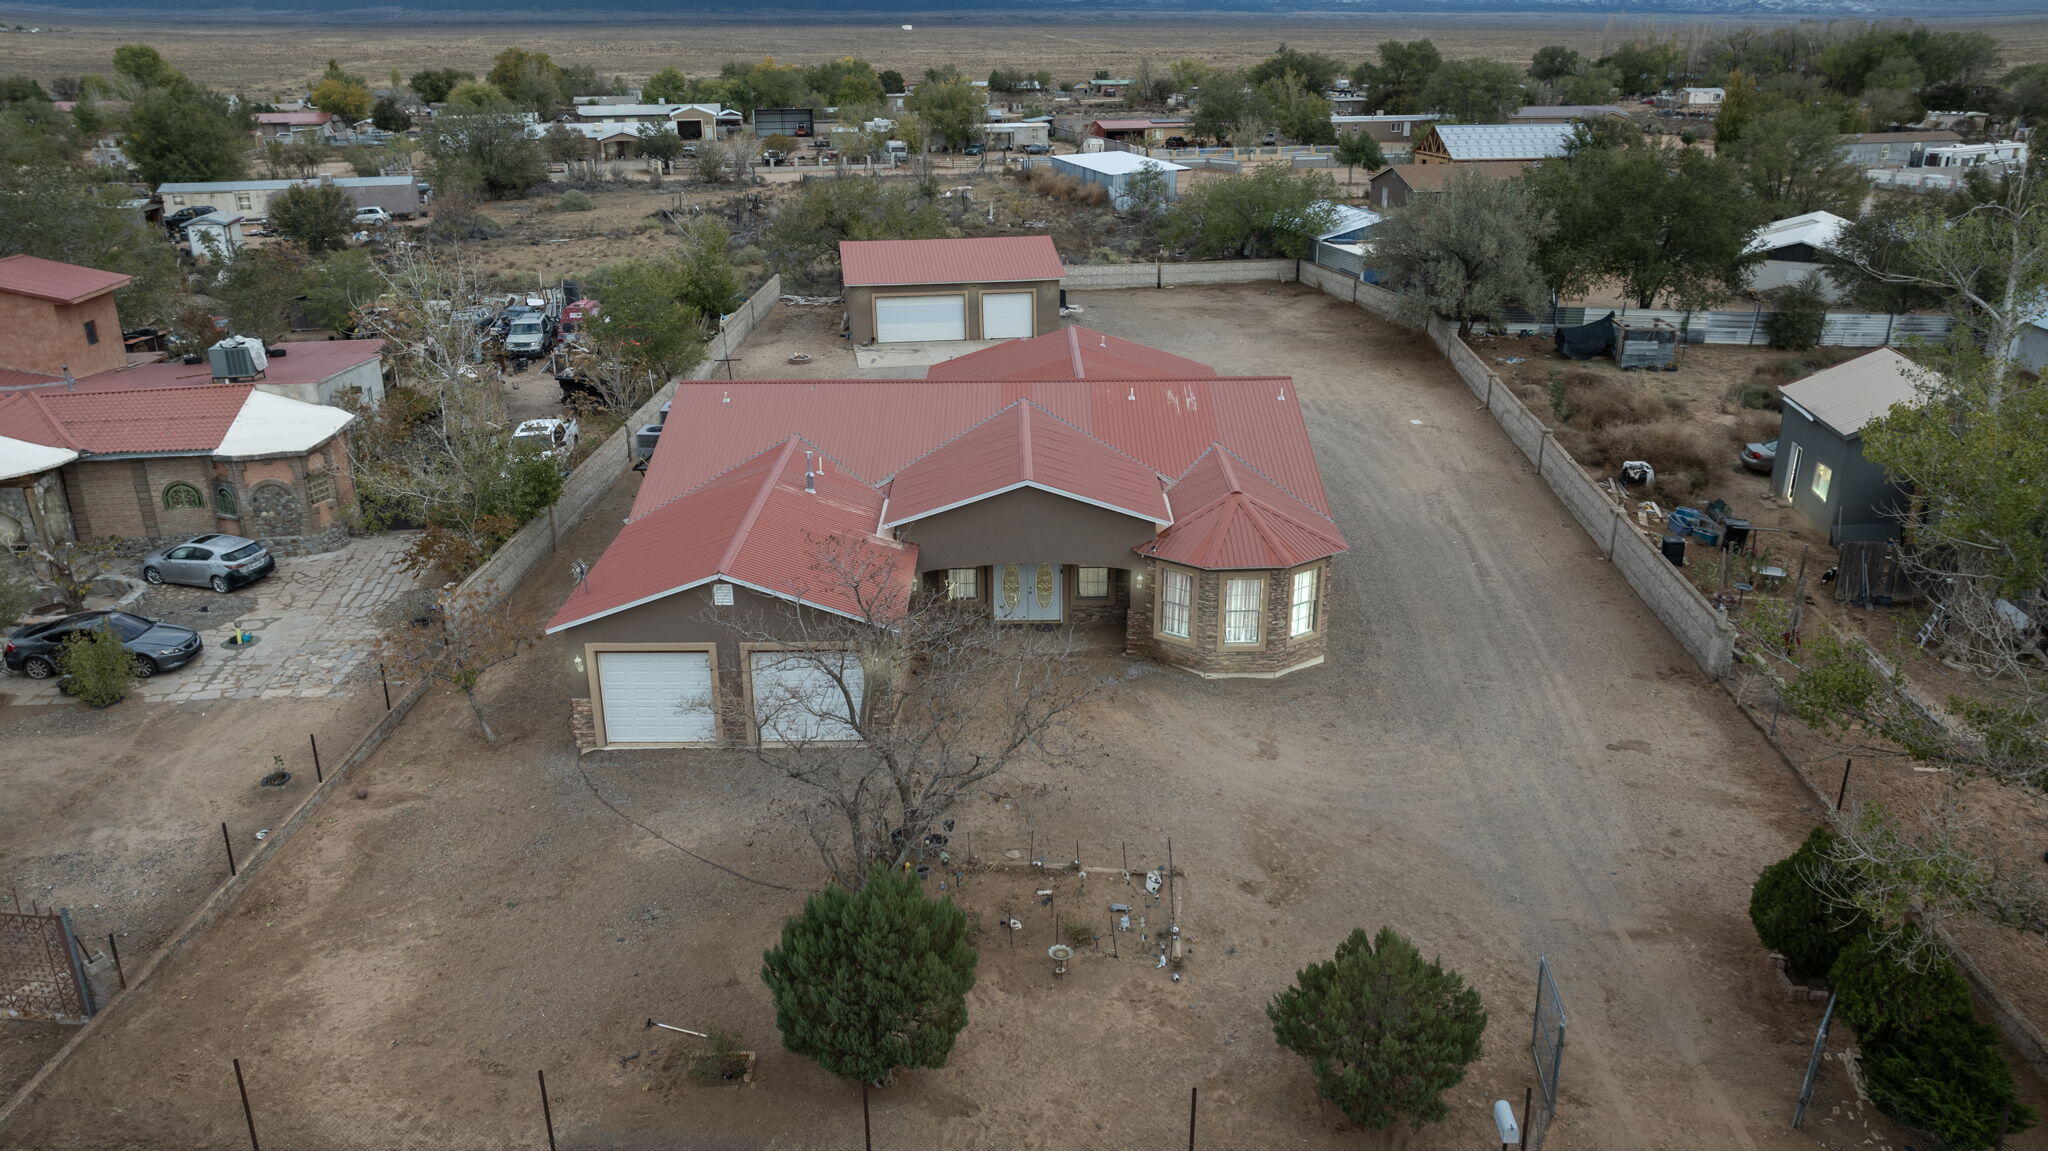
point(1023, 445)
point(107, 422)
point(1227, 516)
point(61, 283)
point(1071, 353)
point(984, 260)
point(878, 426)
point(304, 362)
point(757, 525)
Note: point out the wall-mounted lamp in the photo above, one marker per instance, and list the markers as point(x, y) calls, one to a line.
point(579, 663)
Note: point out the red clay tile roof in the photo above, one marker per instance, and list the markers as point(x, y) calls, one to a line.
point(878, 426)
point(755, 525)
point(984, 260)
point(148, 420)
point(1228, 516)
point(1074, 353)
point(61, 283)
point(14, 379)
point(1021, 446)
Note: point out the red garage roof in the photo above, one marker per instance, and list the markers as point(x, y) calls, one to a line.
point(1024, 446)
point(59, 283)
point(1227, 515)
point(763, 524)
point(140, 420)
point(986, 260)
point(1076, 353)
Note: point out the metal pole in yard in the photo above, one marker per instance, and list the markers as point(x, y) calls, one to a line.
point(867, 1129)
point(547, 1114)
point(386, 681)
point(230, 844)
point(1194, 1096)
point(115, 950)
point(248, 1116)
point(315, 741)
point(1528, 1097)
point(1842, 792)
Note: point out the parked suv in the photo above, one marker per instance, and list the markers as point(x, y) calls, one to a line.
point(221, 562)
point(1038, 149)
point(36, 651)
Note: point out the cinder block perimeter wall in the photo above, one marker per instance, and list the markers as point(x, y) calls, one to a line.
point(510, 564)
point(1697, 625)
point(1085, 277)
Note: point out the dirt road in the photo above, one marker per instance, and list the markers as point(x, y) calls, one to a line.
point(1504, 757)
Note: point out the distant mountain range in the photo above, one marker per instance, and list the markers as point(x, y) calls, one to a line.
point(425, 11)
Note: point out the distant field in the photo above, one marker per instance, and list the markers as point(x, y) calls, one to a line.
point(268, 57)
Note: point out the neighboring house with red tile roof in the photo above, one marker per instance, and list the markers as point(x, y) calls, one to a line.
point(933, 291)
point(1185, 511)
point(161, 451)
point(57, 317)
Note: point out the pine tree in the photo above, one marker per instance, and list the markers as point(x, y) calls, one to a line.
point(871, 980)
point(1385, 1033)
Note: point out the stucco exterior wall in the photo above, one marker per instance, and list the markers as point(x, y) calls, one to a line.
point(43, 336)
point(860, 304)
point(1862, 503)
point(1027, 526)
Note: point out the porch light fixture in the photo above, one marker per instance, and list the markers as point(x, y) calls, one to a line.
point(579, 663)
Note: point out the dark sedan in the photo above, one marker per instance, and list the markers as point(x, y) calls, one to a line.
point(36, 651)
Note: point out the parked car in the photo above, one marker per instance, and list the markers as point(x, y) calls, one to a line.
point(221, 562)
point(556, 439)
point(972, 150)
point(177, 220)
point(1760, 457)
point(1038, 149)
point(771, 157)
point(369, 217)
point(36, 651)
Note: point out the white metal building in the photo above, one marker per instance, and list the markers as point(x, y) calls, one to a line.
point(1113, 171)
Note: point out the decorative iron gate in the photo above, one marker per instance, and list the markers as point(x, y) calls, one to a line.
point(42, 976)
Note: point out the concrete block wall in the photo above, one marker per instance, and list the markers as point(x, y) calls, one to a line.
point(491, 583)
point(1694, 622)
point(1097, 277)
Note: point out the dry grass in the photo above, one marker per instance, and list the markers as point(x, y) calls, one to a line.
point(274, 56)
point(1065, 189)
point(1604, 421)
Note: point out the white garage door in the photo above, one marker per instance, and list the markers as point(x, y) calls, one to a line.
point(1005, 315)
point(799, 698)
point(907, 319)
point(656, 696)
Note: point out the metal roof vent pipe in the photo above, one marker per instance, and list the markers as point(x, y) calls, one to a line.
point(810, 474)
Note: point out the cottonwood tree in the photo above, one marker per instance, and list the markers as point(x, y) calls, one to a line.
point(1359, 151)
point(872, 979)
point(469, 634)
point(479, 144)
point(1272, 212)
point(893, 713)
point(1474, 91)
point(1385, 1033)
point(950, 108)
point(259, 290)
point(320, 217)
point(59, 213)
point(1468, 252)
point(1791, 160)
point(1660, 221)
point(1989, 255)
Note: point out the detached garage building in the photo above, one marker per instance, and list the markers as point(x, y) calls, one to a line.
point(925, 291)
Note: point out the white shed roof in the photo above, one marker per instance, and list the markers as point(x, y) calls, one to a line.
point(1349, 219)
point(1848, 396)
point(21, 458)
point(1118, 163)
point(1816, 229)
point(1504, 141)
point(271, 425)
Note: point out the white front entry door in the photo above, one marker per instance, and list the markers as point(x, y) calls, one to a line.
point(1027, 591)
point(656, 696)
point(914, 319)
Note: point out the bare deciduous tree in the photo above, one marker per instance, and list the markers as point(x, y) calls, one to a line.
point(68, 570)
point(894, 712)
point(470, 634)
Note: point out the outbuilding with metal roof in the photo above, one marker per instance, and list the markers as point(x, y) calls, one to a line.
point(1820, 467)
point(934, 291)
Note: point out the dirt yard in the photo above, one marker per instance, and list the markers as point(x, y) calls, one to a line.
point(1505, 757)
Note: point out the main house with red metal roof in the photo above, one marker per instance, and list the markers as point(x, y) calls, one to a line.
point(1068, 479)
point(925, 291)
point(92, 447)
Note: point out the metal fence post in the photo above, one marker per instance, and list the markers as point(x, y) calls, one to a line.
point(77, 962)
point(248, 1116)
point(547, 1115)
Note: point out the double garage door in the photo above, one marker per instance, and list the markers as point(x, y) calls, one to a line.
point(920, 319)
point(666, 696)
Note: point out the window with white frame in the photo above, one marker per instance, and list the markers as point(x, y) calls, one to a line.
point(1303, 617)
point(1176, 596)
point(1823, 479)
point(1092, 583)
point(1241, 610)
point(243, 201)
point(961, 584)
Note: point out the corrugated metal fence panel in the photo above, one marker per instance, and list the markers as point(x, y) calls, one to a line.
point(1338, 260)
point(1855, 329)
point(1922, 325)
